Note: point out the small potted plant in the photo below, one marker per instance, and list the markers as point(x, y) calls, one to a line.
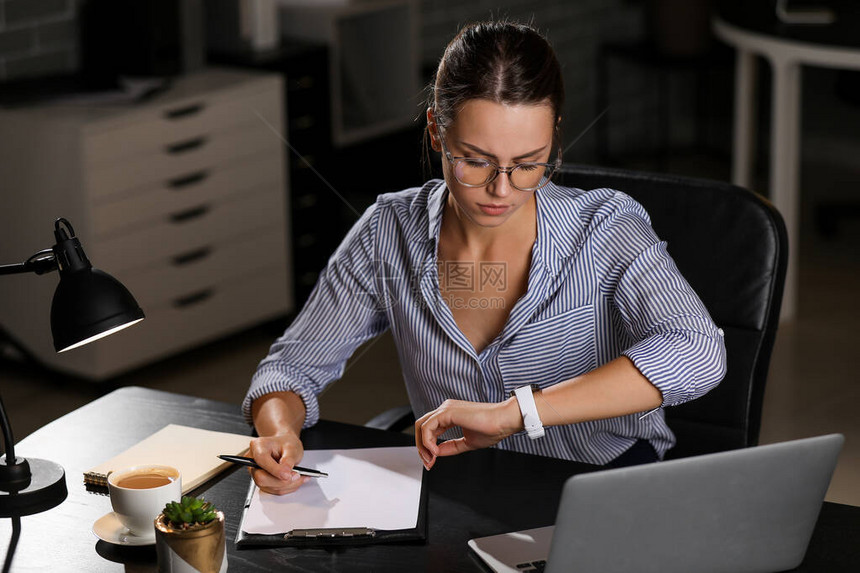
point(189, 537)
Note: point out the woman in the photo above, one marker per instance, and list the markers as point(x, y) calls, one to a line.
point(494, 280)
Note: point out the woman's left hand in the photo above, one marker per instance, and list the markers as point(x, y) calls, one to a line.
point(483, 425)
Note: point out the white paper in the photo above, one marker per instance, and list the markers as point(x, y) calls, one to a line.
point(379, 488)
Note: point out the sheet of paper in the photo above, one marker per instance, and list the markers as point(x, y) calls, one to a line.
point(378, 488)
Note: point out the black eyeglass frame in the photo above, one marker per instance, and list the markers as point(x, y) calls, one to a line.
point(454, 160)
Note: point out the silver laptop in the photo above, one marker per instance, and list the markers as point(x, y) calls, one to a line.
point(739, 511)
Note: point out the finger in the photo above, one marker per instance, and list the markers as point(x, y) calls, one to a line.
point(453, 447)
point(427, 456)
point(286, 463)
point(267, 459)
point(275, 457)
point(434, 427)
point(270, 484)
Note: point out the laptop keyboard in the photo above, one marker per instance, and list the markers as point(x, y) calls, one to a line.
point(532, 566)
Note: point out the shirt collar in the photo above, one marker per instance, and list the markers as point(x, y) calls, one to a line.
point(435, 206)
point(551, 248)
point(426, 212)
point(553, 243)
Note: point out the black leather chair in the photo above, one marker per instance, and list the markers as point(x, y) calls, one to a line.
point(732, 247)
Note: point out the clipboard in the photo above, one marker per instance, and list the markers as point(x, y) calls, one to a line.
point(310, 510)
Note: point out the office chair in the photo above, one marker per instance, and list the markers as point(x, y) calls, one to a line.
point(731, 245)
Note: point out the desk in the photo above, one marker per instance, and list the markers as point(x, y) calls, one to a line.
point(752, 28)
point(475, 494)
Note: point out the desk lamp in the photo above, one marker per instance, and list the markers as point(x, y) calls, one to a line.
point(88, 304)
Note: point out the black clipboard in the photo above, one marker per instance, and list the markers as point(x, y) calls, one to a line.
point(358, 535)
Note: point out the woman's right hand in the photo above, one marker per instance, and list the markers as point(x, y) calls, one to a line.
point(277, 455)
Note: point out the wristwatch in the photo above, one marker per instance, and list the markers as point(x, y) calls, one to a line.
point(531, 420)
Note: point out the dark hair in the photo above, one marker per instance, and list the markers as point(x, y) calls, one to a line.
point(503, 62)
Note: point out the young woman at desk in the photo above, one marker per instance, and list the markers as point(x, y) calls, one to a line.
point(494, 280)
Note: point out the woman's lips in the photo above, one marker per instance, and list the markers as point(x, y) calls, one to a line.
point(493, 209)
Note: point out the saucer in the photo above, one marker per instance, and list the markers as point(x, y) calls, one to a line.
point(108, 528)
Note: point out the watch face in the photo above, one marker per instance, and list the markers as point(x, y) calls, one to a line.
point(536, 433)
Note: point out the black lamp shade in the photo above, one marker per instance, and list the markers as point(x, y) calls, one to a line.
point(90, 303)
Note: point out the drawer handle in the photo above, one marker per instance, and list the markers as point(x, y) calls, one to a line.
point(184, 146)
point(181, 112)
point(189, 214)
point(193, 298)
point(187, 180)
point(190, 257)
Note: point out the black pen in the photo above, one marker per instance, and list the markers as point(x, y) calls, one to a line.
point(243, 461)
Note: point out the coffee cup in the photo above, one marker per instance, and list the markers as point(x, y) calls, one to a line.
point(139, 493)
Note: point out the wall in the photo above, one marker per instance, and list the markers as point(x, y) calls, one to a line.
point(37, 37)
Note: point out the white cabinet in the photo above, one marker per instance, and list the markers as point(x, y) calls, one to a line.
point(182, 198)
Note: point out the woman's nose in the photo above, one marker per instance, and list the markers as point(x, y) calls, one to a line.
point(501, 185)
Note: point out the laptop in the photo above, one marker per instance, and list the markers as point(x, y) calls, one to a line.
point(740, 511)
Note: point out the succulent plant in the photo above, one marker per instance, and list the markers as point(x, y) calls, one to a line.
point(188, 512)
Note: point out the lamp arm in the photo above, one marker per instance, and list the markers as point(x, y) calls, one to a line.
point(13, 543)
point(8, 439)
point(42, 262)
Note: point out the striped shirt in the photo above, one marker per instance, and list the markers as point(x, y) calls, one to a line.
point(601, 285)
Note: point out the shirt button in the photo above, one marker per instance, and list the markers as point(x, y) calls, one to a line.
point(720, 330)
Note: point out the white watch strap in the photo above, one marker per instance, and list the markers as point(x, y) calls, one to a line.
point(528, 408)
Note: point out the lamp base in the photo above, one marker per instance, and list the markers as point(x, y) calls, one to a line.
point(47, 489)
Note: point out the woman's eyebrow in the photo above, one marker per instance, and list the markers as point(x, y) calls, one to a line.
point(480, 151)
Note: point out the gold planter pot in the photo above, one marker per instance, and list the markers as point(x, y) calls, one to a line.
point(200, 549)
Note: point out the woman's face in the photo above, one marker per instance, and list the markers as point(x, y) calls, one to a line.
point(504, 134)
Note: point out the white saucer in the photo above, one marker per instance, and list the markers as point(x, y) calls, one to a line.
point(108, 528)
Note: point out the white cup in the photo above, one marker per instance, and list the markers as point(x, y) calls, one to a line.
point(137, 505)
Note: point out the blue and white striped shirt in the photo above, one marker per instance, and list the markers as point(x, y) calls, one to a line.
point(601, 284)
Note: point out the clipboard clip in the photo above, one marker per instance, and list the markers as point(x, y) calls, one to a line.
point(330, 533)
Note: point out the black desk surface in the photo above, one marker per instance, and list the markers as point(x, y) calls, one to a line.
point(475, 494)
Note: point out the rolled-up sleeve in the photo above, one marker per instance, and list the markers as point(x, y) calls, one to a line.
point(675, 343)
point(342, 312)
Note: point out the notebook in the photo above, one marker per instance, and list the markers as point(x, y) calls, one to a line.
point(191, 450)
point(742, 511)
point(371, 495)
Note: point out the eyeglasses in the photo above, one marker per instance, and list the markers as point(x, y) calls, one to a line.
point(478, 171)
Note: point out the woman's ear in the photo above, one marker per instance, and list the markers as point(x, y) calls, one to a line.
point(433, 130)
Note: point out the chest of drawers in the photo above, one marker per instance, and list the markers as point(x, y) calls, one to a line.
point(183, 198)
